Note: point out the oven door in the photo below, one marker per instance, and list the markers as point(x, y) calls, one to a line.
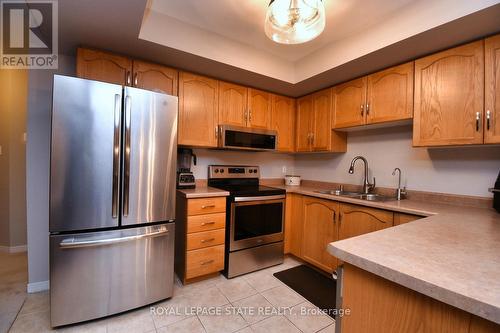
point(256, 221)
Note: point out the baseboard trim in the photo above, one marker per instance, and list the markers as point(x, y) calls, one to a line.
point(13, 249)
point(36, 287)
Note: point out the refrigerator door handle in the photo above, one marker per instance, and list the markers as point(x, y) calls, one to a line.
point(116, 157)
point(126, 180)
point(70, 243)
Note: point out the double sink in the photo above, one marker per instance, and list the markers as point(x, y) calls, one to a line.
point(357, 195)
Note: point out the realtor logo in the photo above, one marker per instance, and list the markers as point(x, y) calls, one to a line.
point(28, 34)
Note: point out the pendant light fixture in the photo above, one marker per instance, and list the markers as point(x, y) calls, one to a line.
point(294, 21)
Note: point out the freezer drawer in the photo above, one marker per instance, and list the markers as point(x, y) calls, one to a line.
point(97, 274)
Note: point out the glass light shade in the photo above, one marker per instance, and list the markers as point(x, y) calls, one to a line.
point(294, 21)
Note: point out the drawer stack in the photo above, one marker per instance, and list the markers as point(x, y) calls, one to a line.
point(200, 236)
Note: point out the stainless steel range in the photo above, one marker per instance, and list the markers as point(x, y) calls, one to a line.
point(254, 220)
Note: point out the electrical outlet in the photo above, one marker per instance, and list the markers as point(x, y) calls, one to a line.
point(25, 137)
point(283, 170)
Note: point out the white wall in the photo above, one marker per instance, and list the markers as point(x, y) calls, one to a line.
point(37, 182)
point(271, 164)
point(462, 170)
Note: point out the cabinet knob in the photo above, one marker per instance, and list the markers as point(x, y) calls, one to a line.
point(367, 109)
point(488, 117)
point(478, 118)
point(128, 78)
point(362, 110)
point(136, 81)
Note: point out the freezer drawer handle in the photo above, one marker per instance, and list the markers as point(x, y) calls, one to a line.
point(70, 243)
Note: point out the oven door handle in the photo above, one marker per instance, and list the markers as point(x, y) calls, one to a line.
point(262, 198)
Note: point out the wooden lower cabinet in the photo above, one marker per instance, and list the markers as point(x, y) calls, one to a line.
point(402, 218)
point(319, 229)
point(356, 220)
point(199, 237)
point(293, 224)
point(377, 305)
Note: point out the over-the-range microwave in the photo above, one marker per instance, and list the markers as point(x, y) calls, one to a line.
point(236, 137)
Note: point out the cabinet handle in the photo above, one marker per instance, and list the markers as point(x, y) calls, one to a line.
point(216, 132)
point(136, 80)
point(478, 118)
point(334, 217)
point(207, 223)
point(206, 262)
point(367, 109)
point(245, 116)
point(207, 240)
point(207, 206)
point(128, 78)
point(340, 219)
point(362, 110)
point(488, 117)
point(250, 115)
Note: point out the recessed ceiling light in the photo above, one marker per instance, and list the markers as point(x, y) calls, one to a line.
point(294, 21)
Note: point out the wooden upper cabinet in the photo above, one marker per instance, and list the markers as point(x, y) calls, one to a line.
point(492, 90)
point(358, 220)
point(349, 103)
point(320, 229)
point(103, 66)
point(322, 127)
point(390, 94)
point(155, 77)
point(259, 108)
point(233, 107)
point(449, 97)
point(283, 121)
point(198, 100)
point(304, 123)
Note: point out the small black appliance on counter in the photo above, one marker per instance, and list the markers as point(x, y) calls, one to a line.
point(185, 178)
point(496, 194)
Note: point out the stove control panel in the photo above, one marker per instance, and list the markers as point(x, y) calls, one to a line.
point(229, 171)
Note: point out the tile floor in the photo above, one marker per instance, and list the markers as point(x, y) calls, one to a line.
point(229, 306)
point(13, 280)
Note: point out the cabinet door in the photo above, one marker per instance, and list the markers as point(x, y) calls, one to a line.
point(390, 94)
point(305, 118)
point(320, 229)
point(401, 218)
point(449, 97)
point(492, 90)
point(155, 77)
point(233, 104)
point(283, 121)
point(259, 108)
point(358, 220)
point(103, 66)
point(198, 97)
point(322, 127)
point(349, 103)
point(293, 224)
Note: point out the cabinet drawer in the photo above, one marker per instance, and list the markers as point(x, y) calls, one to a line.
point(204, 261)
point(207, 222)
point(203, 239)
point(206, 206)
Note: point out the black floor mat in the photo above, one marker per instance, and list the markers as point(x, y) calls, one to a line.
point(312, 285)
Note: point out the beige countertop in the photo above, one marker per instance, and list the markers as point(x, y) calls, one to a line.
point(203, 192)
point(452, 255)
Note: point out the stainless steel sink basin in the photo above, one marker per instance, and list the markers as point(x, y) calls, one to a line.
point(339, 193)
point(374, 197)
point(357, 195)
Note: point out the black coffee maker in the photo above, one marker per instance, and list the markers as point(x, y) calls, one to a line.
point(496, 194)
point(185, 178)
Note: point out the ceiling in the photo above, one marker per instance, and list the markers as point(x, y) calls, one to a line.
point(218, 39)
point(243, 21)
point(232, 32)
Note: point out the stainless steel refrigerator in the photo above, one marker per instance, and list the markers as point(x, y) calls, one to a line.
point(112, 198)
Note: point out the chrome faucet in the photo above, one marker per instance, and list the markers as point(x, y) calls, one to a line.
point(367, 187)
point(400, 192)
